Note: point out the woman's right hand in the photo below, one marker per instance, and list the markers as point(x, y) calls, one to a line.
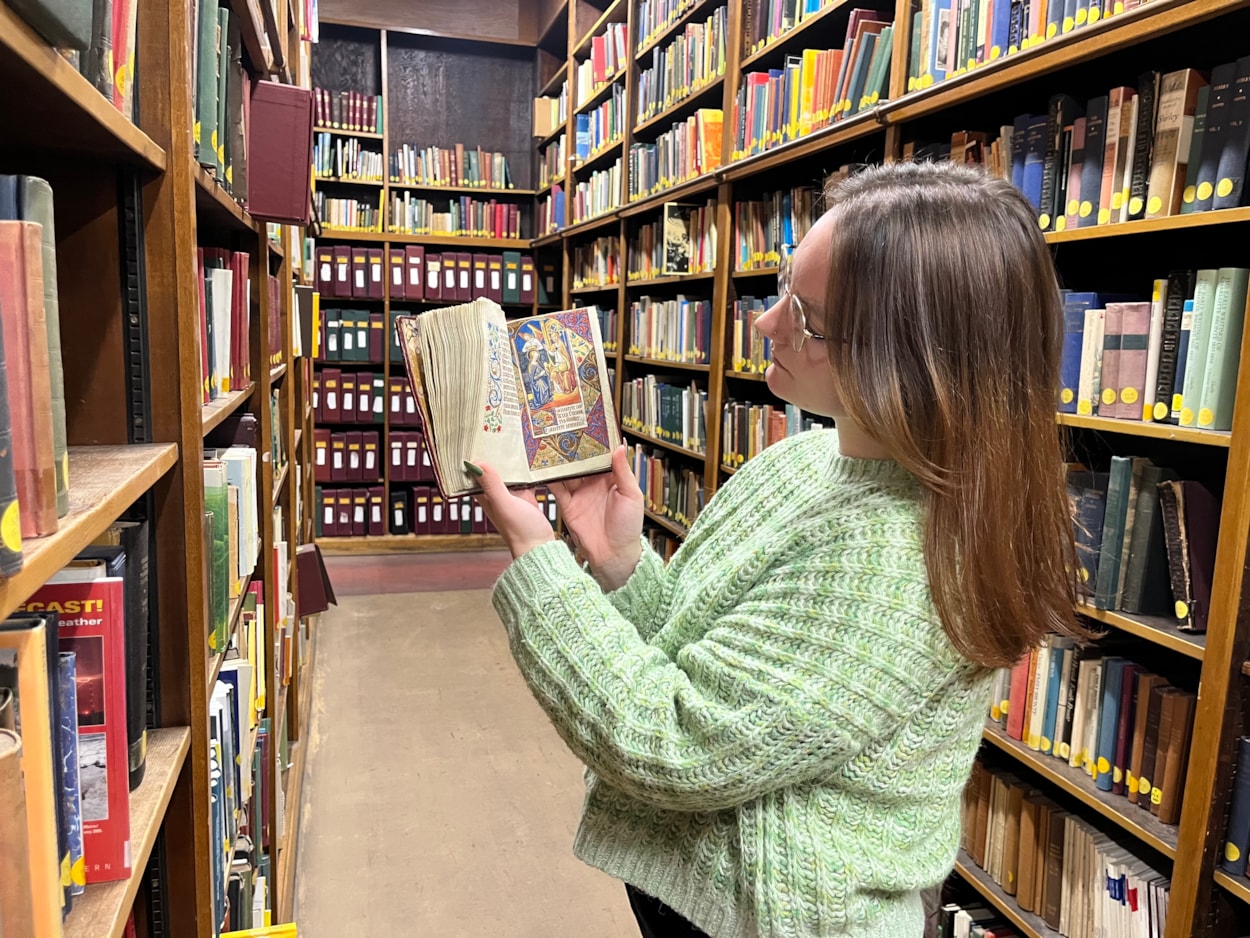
point(604, 514)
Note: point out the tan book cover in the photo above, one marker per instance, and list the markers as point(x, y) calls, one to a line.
point(17, 914)
point(1011, 837)
point(1177, 757)
point(1145, 684)
point(1030, 812)
point(1174, 127)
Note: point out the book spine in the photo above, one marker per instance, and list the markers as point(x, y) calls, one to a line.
point(1169, 343)
point(1237, 836)
point(1143, 144)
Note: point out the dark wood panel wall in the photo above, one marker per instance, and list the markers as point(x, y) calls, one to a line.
point(504, 20)
point(348, 59)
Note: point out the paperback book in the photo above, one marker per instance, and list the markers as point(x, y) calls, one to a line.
point(529, 396)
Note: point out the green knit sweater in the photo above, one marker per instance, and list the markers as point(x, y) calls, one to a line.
point(776, 728)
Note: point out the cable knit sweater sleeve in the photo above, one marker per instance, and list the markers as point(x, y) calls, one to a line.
point(641, 599)
point(777, 692)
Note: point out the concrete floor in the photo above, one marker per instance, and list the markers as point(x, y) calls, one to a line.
point(437, 800)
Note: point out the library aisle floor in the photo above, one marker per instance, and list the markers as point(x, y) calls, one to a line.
point(437, 798)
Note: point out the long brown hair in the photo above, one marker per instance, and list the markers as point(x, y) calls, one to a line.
point(944, 296)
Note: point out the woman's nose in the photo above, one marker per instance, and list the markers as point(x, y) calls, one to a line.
point(769, 322)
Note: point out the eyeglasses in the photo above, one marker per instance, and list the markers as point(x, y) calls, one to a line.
point(799, 333)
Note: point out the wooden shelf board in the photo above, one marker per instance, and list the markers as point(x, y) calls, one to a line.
point(675, 193)
point(275, 248)
point(413, 543)
point(216, 411)
point(602, 93)
point(292, 803)
point(277, 39)
point(280, 480)
point(252, 28)
point(103, 482)
point(666, 523)
point(276, 372)
point(543, 190)
point(728, 470)
point(553, 238)
point(656, 441)
point(1156, 18)
point(553, 83)
point(1158, 630)
point(774, 47)
point(215, 208)
point(101, 911)
point(299, 435)
point(1158, 431)
point(236, 619)
point(462, 190)
point(661, 363)
point(1227, 216)
point(677, 107)
point(614, 13)
point(1129, 817)
point(1239, 886)
point(602, 288)
point(335, 181)
point(541, 142)
point(744, 375)
point(377, 237)
point(670, 279)
point(592, 224)
point(600, 156)
point(675, 23)
point(863, 124)
point(1030, 925)
point(338, 132)
point(50, 106)
point(758, 272)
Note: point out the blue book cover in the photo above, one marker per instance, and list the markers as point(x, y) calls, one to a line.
point(1019, 130)
point(939, 33)
point(1054, 679)
point(1182, 354)
point(1074, 308)
point(1000, 29)
point(1091, 503)
point(1035, 160)
point(582, 138)
point(71, 788)
point(1108, 720)
point(1119, 489)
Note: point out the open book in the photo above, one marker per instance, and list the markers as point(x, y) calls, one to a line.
point(529, 396)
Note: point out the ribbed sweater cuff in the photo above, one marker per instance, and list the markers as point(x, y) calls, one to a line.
point(639, 598)
point(531, 576)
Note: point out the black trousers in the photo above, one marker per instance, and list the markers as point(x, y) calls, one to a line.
point(656, 920)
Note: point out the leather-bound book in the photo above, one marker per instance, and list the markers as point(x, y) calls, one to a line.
point(1191, 517)
point(279, 150)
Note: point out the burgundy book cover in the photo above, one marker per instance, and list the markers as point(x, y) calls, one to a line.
point(279, 152)
point(364, 397)
point(438, 513)
point(433, 276)
point(316, 397)
point(240, 346)
point(494, 280)
point(481, 264)
point(377, 511)
point(342, 272)
point(479, 516)
point(328, 518)
point(451, 261)
point(360, 512)
point(355, 457)
point(330, 380)
point(412, 456)
point(394, 401)
point(397, 274)
point(338, 457)
point(377, 337)
point(22, 312)
point(370, 467)
point(316, 593)
point(420, 511)
point(360, 273)
point(343, 509)
point(527, 279)
point(1202, 525)
point(464, 277)
point(1124, 729)
point(347, 397)
point(411, 418)
point(426, 468)
point(377, 285)
point(414, 259)
point(321, 459)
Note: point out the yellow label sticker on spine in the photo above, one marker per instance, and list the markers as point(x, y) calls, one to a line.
point(1224, 188)
point(1188, 195)
point(1082, 15)
point(1134, 205)
point(1154, 205)
point(1086, 208)
point(1182, 609)
point(1103, 765)
point(1095, 15)
point(1156, 796)
point(1206, 417)
point(1231, 853)
point(1061, 223)
point(1074, 206)
point(1128, 395)
point(1108, 396)
point(1068, 23)
point(1204, 190)
point(1084, 408)
point(1117, 775)
point(1161, 411)
point(1104, 216)
point(1066, 395)
point(1117, 201)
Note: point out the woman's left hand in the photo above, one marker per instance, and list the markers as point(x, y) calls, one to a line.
point(515, 514)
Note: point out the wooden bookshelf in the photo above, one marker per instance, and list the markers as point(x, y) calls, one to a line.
point(591, 224)
point(744, 375)
point(656, 441)
point(683, 190)
point(614, 13)
point(552, 86)
point(405, 543)
point(666, 364)
point(216, 411)
point(347, 181)
point(1227, 216)
point(1030, 925)
point(255, 39)
point(691, 11)
point(1158, 630)
point(683, 106)
point(1236, 886)
point(602, 92)
point(674, 278)
point(774, 48)
point(462, 190)
point(213, 204)
point(671, 526)
point(232, 632)
point(441, 240)
point(597, 159)
point(342, 132)
point(1157, 431)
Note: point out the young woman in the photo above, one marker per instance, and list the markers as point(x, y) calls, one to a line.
point(779, 722)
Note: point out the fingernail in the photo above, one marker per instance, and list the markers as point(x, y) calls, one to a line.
point(473, 469)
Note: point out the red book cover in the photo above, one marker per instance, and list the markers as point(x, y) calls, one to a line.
point(327, 512)
point(355, 457)
point(318, 415)
point(396, 443)
point(395, 402)
point(527, 279)
point(377, 286)
point(1016, 699)
point(279, 152)
point(121, 51)
point(360, 512)
point(364, 397)
point(92, 624)
point(343, 509)
point(325, 270)
point(420, 511)
point(494, 282)
point(450, 290)
point(464, 277)
point(426, 469)
point(377, 511)
point(397, 278)
point(342, 272)
point(412, 457)
point(240, 352)
point(330, 379)
point(360, 273)
point(438, 513)
point(321, 459)
point(433, 277)
point(1124, 729)
point(377, 337)
point(338, 457)
point(371, 468)
point(414, 259)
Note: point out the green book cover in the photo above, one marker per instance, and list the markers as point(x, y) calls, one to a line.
point(205, 128)
point(1219, 383)
point(216, 501)
point(218, 140)
point(1183, 408)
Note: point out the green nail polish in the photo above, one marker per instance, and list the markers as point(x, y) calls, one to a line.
point(473, 469)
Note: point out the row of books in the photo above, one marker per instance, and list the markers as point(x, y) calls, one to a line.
point(415, 273)
point(421, 510)
point(34, 471)
point(277, 438)
point(1145, 540)
point(344, 396)
point(222, 86)
point(689, 149)
point(596, 263)
point(349, 214)
point(683, 241)
point(671, 330)
point(763, 226)
point(608, 330)
point(1103, 715)
point(599, 194)
point(231, 519)
point(667, 412)
point(670, 488)
point(457, 165)
point(551, 208)
point(551, 169)
point(765, 21)
point(692, 60)
point(654, 16)
point(1172, 359)
point(353, 335)
point(1237, 834)
point(747, 429)
point(815, 88)
point(950, 37)
point(1056, 865)
point(609, 54)
point(750, 351)
point(600, 128)
point(224, 289)
point(348, 110)
point(351, 456)
point(345, 158)
point(464, 216)
point(662, 542)
point(551, 112)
